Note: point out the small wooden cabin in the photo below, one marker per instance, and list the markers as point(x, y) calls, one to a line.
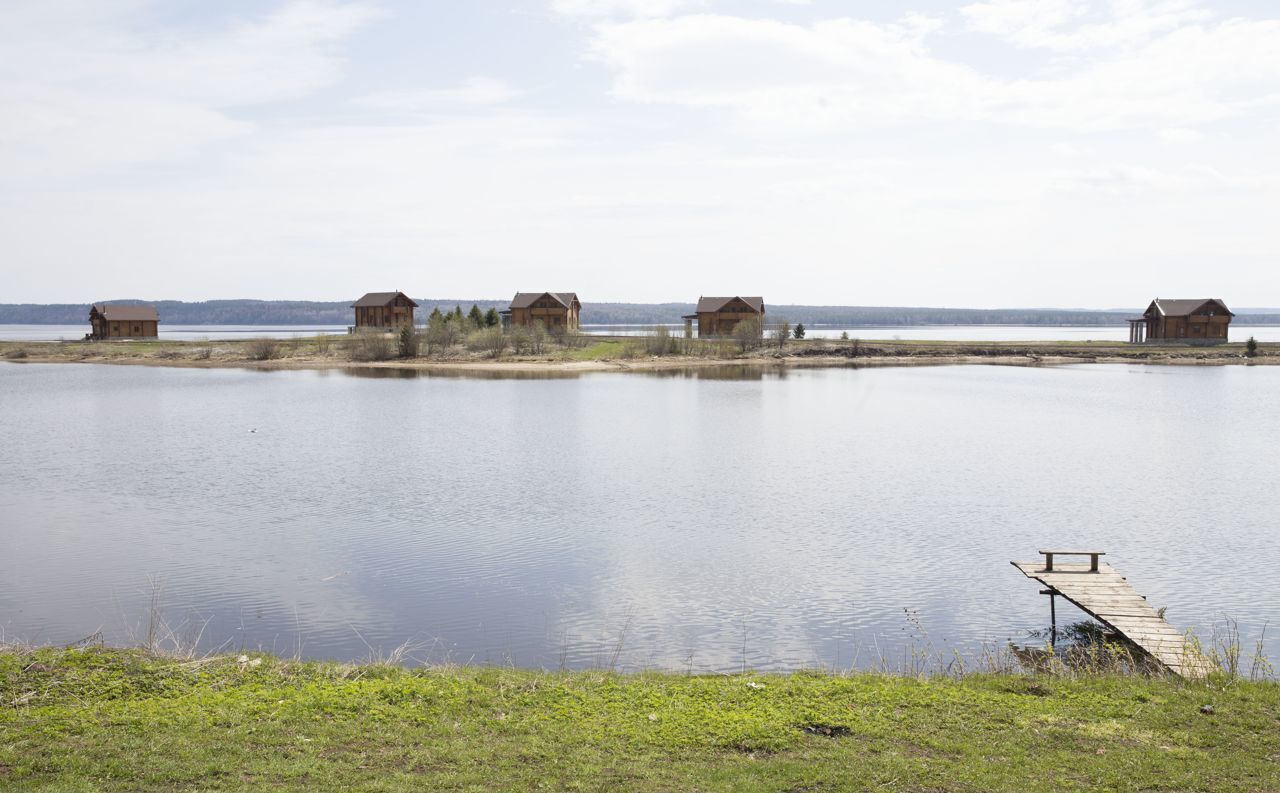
point(1198, 320)
point(384, 311)
point(718, 316)
point(555, 310)
point(123, 322)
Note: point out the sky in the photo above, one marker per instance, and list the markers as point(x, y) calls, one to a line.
point(998, 153)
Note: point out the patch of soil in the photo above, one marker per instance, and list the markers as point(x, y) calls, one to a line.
point(826, 730)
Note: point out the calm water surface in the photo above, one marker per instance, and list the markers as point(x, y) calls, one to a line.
point(697, 520)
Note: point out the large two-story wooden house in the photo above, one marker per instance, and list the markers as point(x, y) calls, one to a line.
point(718, 316)
point(384, 311)
point(556, 311)
point(1200, 319)
point(123, 322)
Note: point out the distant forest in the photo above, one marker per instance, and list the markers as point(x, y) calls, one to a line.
point(303, 312)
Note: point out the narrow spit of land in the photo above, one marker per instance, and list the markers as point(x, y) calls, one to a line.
point(586, 354)
point(103, 719)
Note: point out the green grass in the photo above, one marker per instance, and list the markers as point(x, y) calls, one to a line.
point(101, 719)
point(610, 348)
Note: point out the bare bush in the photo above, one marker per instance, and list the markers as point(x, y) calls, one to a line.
point(520, 340)
point(574, 339)
point(17, 353)
point(490, 341)
point(780, 333)
point(322, 342)
point(262, 349)
point(370, 347)
point(748, 334)
point(538, 337)
point(659, 341)
point(442, 333)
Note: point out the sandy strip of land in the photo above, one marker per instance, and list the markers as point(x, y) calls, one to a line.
point(627, 355)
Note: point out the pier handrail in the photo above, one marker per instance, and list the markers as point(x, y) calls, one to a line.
point(1093, 558)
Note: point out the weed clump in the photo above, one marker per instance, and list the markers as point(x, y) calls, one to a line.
point(370, 347)
point(263, 349)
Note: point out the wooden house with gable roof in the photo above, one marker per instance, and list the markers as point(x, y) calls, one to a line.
point(123, 322)
point(384, 311)
point(1204, 320)
point(718, 316)
point(557, 311)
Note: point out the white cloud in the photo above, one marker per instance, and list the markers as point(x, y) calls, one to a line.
point(842, 71)
point(851, 73)
point(474, 91)
point(82, 89)
point(1079, 25)
point(621, 8)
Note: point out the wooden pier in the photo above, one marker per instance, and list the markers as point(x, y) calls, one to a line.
point(1102, 593)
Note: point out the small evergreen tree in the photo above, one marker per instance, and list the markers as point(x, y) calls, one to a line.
point(407, 343)
point(476, 317)
point(457, 314)
point(492, 319)
point(1251, 347)
point(435, 315)
point(799, 330)
point(844, 335)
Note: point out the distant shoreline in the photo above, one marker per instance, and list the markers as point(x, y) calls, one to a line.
point(622, 354)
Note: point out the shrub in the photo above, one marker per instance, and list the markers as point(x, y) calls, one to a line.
point(263, 349)
point(443, 331)
point(519, 338)
point(370, 347)
point(16, 353)
point(322, 341)
point(748, 334)
point(799, 330)
point(203, 353)
point(538, 338)
point(844, 335)
point(1251, 347)
point(780, 333)
point(659, 341)
point(573, 339)
point(487, 340)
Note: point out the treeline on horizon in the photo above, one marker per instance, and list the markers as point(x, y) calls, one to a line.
point(308, 312)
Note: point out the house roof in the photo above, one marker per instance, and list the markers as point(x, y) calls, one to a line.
point(706, 304)
point(1182, 308)
point(115, 313)
point(527, 299)
point(375, 299)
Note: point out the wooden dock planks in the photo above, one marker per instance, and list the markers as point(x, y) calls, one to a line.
point(1108, 597)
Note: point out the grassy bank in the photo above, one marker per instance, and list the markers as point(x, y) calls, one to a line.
point(103, 719)
point(607, 354)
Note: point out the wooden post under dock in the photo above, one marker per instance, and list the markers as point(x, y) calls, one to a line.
point(1102, 593)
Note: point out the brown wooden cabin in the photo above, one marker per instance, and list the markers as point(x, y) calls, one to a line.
point(123, 322)
point(1204, 320)
point(718, 316)
point(555, 310)
point(384, 311)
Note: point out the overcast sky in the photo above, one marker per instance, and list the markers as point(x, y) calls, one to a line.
point(1092, 153)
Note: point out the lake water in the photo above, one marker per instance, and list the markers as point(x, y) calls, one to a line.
point(885, 332)
point(692, 520)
